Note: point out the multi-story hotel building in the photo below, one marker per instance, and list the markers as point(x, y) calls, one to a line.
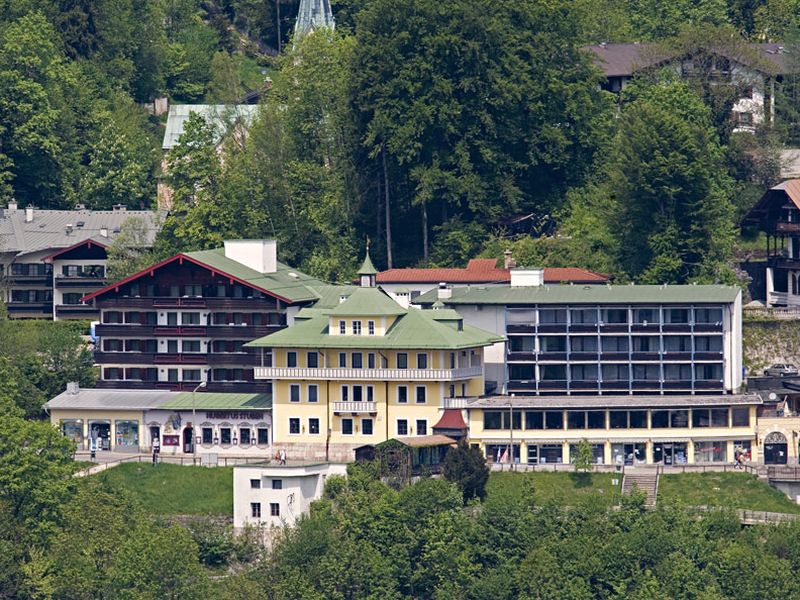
point(368, 370)
point(51, 259)
point(187, 319)
point(605, 339)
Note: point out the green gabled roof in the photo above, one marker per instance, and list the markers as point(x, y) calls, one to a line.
point(367, 268)
point(219, 401)
point(415, 329)
point(287, 283)
point(330, 295)
point(445, 314)
point(586, 294)
point(368, 302)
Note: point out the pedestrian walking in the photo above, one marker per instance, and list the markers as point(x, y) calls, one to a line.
point(156, 450)
point(283, 457)
point(92, 448)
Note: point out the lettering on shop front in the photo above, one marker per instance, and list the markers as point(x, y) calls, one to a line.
point(234, 415)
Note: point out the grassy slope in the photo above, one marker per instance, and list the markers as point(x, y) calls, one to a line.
point(562, 488)
point(173, 489)
point(731, 490)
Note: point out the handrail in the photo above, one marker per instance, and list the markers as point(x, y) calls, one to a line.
point(368, 374)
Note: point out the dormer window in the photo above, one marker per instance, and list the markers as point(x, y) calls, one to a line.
point(342, 328)
point(371, 327)
point(356, 327)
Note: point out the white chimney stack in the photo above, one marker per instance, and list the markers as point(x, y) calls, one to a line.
point(444, 292)
point(73, 387)
point(104, 232)
point(12, 204)
point(28, 214)
point(259, 255)
point(527, 277)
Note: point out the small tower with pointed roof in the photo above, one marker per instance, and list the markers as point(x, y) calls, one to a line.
point(367, 273)
point(312, 15)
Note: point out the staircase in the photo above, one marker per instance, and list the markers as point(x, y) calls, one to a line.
point(644, 480)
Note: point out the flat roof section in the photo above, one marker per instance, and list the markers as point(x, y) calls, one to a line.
point(598, 402)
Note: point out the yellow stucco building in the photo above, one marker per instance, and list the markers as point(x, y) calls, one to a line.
point(366, 371)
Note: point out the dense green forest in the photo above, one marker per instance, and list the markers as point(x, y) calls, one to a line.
point(422, 126)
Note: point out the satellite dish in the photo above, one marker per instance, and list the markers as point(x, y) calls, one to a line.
point(773, 396)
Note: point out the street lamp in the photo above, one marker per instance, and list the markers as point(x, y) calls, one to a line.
point(202, 384)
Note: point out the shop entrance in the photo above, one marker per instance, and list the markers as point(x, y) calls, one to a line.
point(100, 432)
point(775, 449)
point(155, 433)
point(670, 453)
point(187, 440)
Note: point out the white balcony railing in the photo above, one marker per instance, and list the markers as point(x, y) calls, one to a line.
point(355, 407)
point(369, 374)
point(454, 402)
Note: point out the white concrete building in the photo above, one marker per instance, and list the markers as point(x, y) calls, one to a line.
point(276, 495)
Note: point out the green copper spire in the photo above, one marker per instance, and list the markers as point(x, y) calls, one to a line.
point(367, 272)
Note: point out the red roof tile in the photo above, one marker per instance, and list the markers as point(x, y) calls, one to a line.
point(484, 270)
point(451, 419)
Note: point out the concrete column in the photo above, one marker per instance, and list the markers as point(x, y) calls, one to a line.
point(729, 450)
point(607, 452)
point(648, 452)
point(565, 452)
point(690, 452)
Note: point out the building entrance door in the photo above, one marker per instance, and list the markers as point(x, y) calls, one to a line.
point(188, 434)
point(100, 432)
point(775, 449)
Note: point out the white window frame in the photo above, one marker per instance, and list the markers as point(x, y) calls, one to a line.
point(352, 426)
point(417, 387)
point(397, 426)
point(308, 392)
point(319, 425)
point(299, 426)
point(427, 361)
point(356, 327)
point(342, 327)
point(398, 394)
point(344, 393)
point(416, 424)
point(372, 424)
point(299, 388)
point(370, 327)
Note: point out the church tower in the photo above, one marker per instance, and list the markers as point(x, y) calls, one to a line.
point(313, 14)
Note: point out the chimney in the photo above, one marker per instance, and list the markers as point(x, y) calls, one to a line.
point(12, 204)
point(259, 255)
point(120, 208)
point(342, 298)
point(73, 387)
point(527, 277)
point(104, 232)
point(508, 261)
point(68, 228)
point(79, 206)
point(444, 292)
point(29, 213)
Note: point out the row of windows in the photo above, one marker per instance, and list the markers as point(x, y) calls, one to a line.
point(276, 484)
point(172, 346)
point(174, 375)
point(227, 436)
point(616, 419)
point(621, 316)
point(32, 296)
point(218, 290)
point(356, 327)
point(356, 360)
point(255, 509)
point(617, 372)
point(364, 426)
point(359, 393)
point(116, 317)
point(616, 343)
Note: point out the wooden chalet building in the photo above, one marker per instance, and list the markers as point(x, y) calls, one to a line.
point(187, 318)
point(777, 214)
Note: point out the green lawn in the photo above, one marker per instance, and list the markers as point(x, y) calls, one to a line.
point(562, 488)
point(173, 489)
point(731, 490)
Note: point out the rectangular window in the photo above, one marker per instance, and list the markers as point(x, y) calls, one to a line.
point(225, 436)
point(357, 360)
point(274, 509)
point(659, 419)
point(356, 327)
point(342, 360)
point(208, 435)
point(741, 417)
point(422, 361)
point(596, 419)
point(402, 427)
point(618, 419)
point(370, 393)
point(291, 359)
point(637, 419)
point(371, 360)
point(422, 427)
point(342, 328)
point(576, 419)
point(679, 418)
point(294, 393)
point(172, 318)
point(701, 417)
point(313, 426)
point(402, 360)
point(313, 393)
point(262, 436)
point(345, 393)
point(402, 394)
point(719, 417)
point(357, 393)
point(554, 419)
point(366, 426)
point(371, 327)
point(244, 436)
point(191, 374)
point(294, 426)
point(190, 346)
point(172, 375)
point(255, 510)
point(533, 419)
point(192, 318)
point(277, 484)
point(255, 484)
point(347, 426)
point(421, 392)
point(312, 360)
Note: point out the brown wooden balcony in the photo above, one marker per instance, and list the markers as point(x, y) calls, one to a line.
point(80, 282)
point(76, 311)
point(212, 303)
point(37, 308)
point(786, 227)
point(124, 358)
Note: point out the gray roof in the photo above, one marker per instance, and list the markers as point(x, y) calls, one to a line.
point(94, 399)
point(221, 116)
point(599, 402)
point(48, 229)
point(586, 294)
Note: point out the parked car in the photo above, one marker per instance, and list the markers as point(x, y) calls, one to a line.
point(781, 370)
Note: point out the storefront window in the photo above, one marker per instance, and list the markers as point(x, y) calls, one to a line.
point(499, 453)
point(670, 453)
point(127, 433)
point(598, 453)
point(551, 454)
point(628, 454)
point(225, 435)
point(745, 447)
point(706, 452)
point(72, 429)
